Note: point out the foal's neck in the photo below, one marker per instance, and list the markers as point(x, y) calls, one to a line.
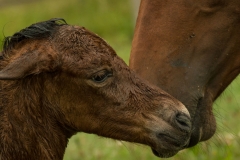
point(27, 128)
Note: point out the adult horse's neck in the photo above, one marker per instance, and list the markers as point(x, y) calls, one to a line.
point(28, 129)
point(190, 49)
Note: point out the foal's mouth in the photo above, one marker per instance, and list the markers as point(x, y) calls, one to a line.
point(164, 153)
point(169, 146)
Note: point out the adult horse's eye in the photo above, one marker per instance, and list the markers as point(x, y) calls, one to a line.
point(101, 76)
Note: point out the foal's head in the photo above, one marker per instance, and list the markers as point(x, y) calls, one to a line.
point(90, 89)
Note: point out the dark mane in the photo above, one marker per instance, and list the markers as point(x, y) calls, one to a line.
point(35, 31)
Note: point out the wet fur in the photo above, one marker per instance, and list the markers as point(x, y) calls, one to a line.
point(48, 93)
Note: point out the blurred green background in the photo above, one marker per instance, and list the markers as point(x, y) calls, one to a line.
point(114, 21)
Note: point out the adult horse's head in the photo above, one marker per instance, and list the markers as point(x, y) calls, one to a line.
point(190, 49)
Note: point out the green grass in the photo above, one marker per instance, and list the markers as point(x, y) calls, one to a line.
point(109, 19)
point(112, 20)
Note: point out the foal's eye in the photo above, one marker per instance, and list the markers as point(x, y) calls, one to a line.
point(101, 76)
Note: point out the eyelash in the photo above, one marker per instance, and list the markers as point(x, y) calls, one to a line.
point(101, 76)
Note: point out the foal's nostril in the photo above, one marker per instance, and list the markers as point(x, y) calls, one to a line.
point(183, 122)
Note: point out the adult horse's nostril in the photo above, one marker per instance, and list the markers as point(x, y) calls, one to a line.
point(183, 122)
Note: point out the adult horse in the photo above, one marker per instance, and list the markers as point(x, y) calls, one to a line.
point(191, 50)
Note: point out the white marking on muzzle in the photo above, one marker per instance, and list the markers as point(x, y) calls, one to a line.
point(183, 109)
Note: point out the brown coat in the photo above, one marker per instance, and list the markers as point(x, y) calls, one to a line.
point(59, 79)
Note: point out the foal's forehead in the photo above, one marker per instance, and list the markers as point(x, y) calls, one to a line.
point(86, 49)
point(76, 37)
point(74, 31)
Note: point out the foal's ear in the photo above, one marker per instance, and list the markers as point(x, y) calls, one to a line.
point(28, 63)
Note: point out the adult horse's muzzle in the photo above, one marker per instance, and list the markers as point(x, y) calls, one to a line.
point(203, 121)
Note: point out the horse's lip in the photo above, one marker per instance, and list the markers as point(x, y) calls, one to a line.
point(165, 154)
point(155, 153)
point(195, 136)
point(170, 140)
point(193, 140)
point(169, 146)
